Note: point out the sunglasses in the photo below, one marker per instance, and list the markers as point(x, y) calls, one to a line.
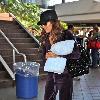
point(45, 23)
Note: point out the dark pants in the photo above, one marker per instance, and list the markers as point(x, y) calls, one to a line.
point(94, 54)
point(61, 82)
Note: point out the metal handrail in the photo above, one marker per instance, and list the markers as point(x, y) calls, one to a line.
point(13, 45)
point(7, 68)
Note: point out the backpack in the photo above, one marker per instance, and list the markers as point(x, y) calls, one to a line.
point(78, 61)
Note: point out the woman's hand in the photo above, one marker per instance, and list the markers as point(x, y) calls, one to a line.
point(50, 55)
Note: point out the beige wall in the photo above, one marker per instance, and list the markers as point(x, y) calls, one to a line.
point(78, 10)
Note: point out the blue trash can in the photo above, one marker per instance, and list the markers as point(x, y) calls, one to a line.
point(26, 80)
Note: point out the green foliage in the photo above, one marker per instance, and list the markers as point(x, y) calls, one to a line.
point(26, 13)
point(63, 24)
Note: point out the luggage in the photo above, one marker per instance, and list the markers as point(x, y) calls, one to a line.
point(93, 44)
point(78, 62)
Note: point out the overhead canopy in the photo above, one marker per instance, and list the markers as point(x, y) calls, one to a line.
point(82, 11)
point(82, 18)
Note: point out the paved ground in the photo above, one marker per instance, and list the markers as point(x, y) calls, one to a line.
point(88, 88)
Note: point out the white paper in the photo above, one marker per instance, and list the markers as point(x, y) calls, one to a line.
point(56, 65)
point(63, 47)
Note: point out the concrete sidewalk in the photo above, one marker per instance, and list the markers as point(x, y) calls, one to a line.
point(88, 88)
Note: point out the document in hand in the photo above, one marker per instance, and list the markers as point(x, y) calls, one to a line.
point(56, 65)
point(63, 47)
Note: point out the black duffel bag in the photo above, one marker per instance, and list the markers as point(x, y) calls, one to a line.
point(78, 61)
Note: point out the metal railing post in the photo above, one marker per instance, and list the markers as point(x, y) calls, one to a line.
point(14, 50)
point(13, 45)
point(13, 56)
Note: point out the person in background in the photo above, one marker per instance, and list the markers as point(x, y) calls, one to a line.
point(82, 35)
point(85, 38)
point(88, 31)
point(52, 33)
point(94, 51)
point(89, 38)
point(69, 32)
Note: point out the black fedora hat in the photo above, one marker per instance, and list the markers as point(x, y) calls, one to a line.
point(47, 16)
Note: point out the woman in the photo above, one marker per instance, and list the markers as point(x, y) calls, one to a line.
point(52, 33)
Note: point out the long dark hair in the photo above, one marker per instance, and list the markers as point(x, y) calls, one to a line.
point(56, 31)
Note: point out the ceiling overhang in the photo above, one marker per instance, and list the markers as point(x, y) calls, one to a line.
point(81, 18)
